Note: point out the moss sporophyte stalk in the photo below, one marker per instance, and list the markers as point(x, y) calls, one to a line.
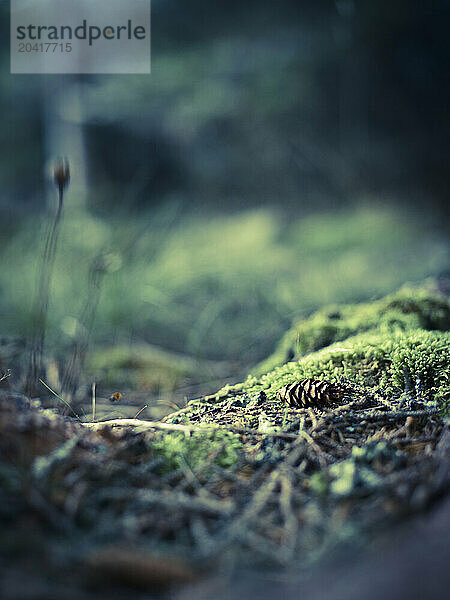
point(61, 179)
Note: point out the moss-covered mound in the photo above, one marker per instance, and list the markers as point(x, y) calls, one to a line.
point(397, 348)
point(407, 310)
point(412, 362)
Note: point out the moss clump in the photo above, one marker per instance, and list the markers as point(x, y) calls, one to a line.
point(142, 366)
point(179, 450)
point(415, 362)
point(407, 310)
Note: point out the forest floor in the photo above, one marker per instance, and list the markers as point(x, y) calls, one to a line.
point(239, 492)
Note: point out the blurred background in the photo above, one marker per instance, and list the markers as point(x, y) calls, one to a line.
point(281, 156)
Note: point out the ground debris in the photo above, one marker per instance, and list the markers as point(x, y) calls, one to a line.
point(233, 480)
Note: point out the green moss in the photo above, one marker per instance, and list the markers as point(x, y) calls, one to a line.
point(391, 360)
point(180, 450)
point(143, 366)
point(407, 310)
point(397, 356)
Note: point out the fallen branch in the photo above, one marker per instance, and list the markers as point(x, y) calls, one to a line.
point(142, 424)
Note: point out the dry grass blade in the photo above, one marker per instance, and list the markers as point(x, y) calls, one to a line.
point(5, 375)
